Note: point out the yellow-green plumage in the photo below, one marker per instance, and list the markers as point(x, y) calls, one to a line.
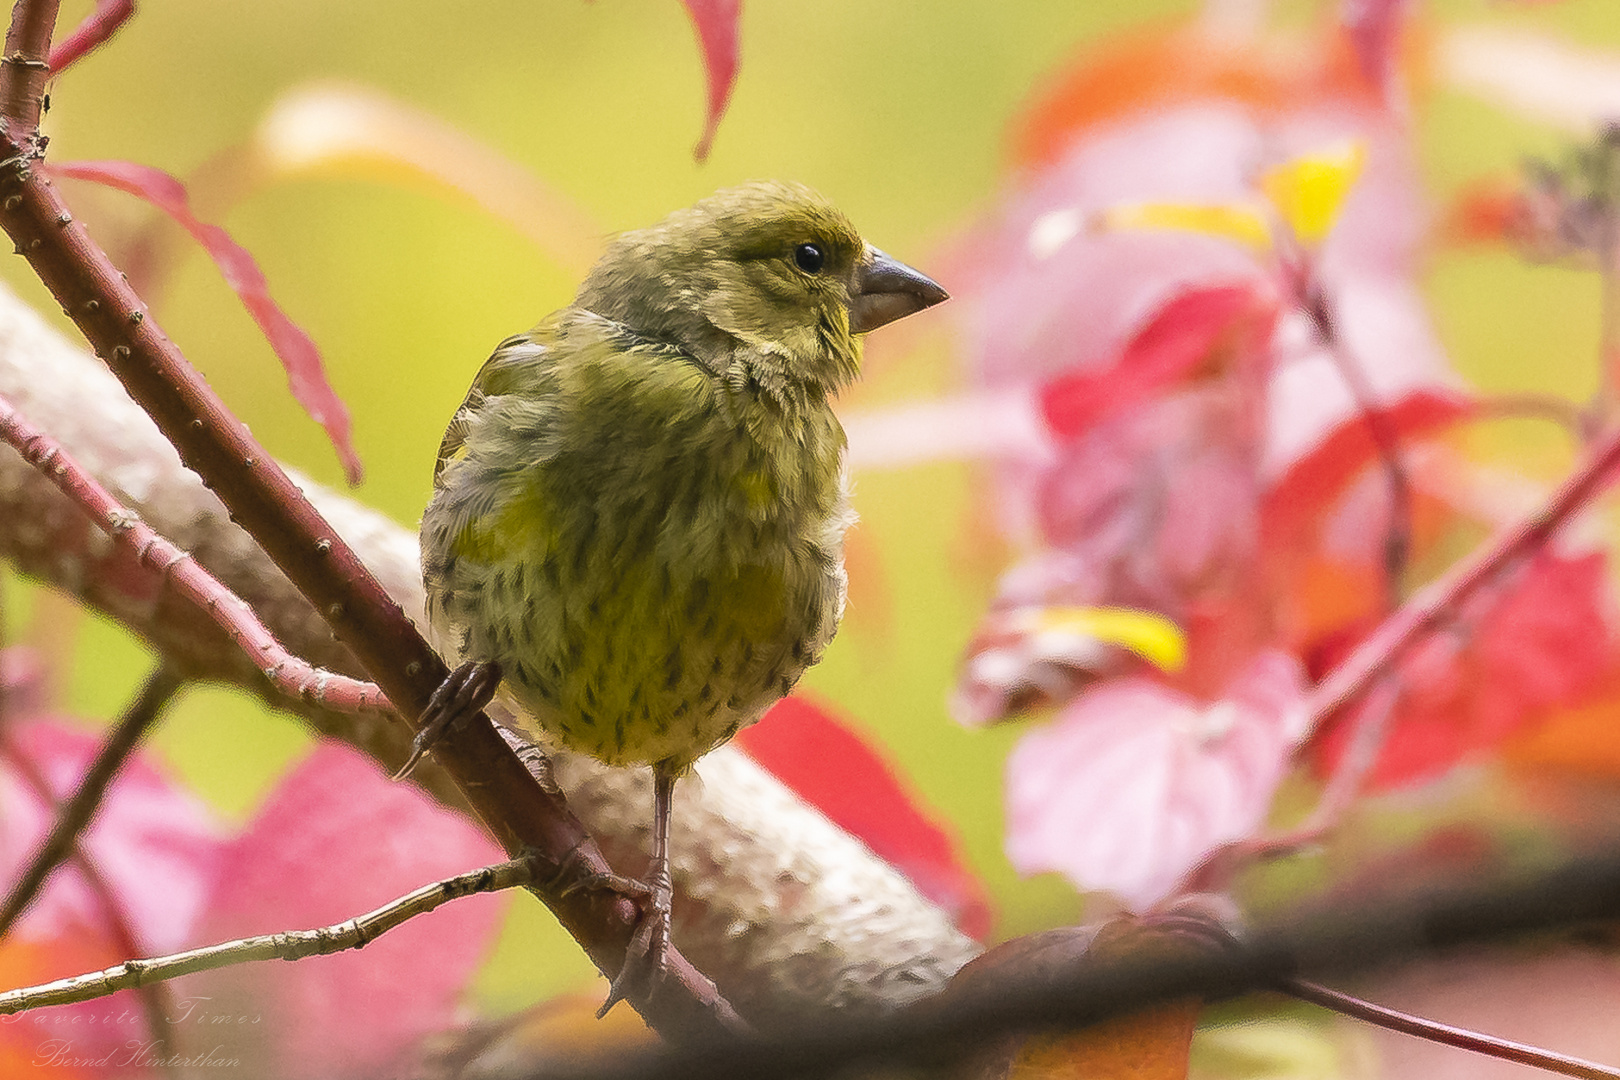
point(652, 554)
point(639, 510)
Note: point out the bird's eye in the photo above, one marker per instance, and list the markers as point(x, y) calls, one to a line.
point(809, 258)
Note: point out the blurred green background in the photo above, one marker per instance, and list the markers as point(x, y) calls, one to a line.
point(897, 111)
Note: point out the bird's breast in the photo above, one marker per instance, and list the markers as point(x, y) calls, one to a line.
point(649, 597)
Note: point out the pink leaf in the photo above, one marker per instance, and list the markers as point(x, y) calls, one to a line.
point(716, 25)
point(101, 24)
point(336, 839)
point(292, 345)
point(155, 851)
point(837, 771)
point(158, 847)
point(1162, 499)
point(1134, 783)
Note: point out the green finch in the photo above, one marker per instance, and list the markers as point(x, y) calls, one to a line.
point(638, 512)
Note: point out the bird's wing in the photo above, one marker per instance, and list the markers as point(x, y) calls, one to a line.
point(520, 348)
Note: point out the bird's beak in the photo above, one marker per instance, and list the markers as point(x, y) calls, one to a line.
point(886, 290)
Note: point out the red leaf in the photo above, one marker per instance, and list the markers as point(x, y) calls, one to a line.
point(1316, 480)
point(91, 34)
point(716, 24)
point(1135, 783)
point(834, 769)
point(1543, 645)
point(296, 351)
point(1186, 334)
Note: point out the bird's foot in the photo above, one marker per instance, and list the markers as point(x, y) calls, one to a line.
point(603, 881)
point(648, 953)
point(463, 694)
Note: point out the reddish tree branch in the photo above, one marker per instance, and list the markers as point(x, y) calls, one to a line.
point(291, 675)
point(25, 71)
point(1442, 600)
point(263, 499)
point(1445, 1034)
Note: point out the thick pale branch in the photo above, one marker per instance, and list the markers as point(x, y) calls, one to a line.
point(288, 945)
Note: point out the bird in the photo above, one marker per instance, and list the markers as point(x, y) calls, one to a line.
point(638, 512)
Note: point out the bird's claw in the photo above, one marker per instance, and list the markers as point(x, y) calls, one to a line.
point(464, 693)
point(646, 957)
point(604, 881)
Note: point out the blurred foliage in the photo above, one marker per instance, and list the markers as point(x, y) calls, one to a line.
point(896, 111)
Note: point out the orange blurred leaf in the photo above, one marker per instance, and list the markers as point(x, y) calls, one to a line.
point(1584, 739)
point(1165, 67)
point(1150, 1045)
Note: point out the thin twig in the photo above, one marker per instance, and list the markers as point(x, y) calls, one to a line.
point(1361, 752)
point(287, 945)
point(1445, 1034)
point(1217, 870)
point(73, 816)
point(1441, 600)
point(1398, 536)
point(291, 675)
point(264, 500)
point(101, 24)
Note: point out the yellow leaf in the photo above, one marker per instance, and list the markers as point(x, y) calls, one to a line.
point(1245, 223)
point(1309, 191)
point(1149, 635)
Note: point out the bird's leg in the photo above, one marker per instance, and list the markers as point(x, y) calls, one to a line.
point(649, 948)
point(463, 694)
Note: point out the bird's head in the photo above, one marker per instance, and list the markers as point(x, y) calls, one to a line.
point(766, 281)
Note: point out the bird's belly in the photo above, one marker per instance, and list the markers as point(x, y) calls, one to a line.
point(638, 659)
